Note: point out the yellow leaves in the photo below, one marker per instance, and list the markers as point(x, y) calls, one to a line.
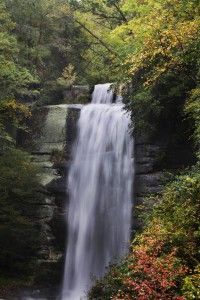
point(68, 76)
point(190, 180)
point(13, 111)
point(61, 10)
point(164, 50)
point(17, 107)
point(191, 286)
point(64, 8)
point(156, 37)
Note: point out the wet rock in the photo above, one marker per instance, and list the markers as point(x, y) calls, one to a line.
point(153, 157)
point(71, 125)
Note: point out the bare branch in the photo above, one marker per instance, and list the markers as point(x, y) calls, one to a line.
point(96, 37)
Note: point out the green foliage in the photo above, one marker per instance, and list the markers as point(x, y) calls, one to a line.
point(18, 196)
point(165, 60)
point(179, 214)
point(191, 286)
point(48, 39)
point(14, 79)
point(112, 282)
point(152, 46)
point(146, 111)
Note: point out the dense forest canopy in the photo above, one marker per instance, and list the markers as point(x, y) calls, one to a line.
point(150, 50)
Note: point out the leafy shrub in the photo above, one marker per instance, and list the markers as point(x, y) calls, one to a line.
point(179, 215)
point(152, 274)
point(146, 111)
point(191, 286)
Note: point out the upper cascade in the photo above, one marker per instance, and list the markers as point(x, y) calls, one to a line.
point(103, 93)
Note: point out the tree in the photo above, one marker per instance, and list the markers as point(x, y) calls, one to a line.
point(14, 79)
point(48, 38)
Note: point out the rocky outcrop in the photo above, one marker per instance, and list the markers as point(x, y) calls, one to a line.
point(52, 131)
point(154, 159)
point(77, 94)
point(149, 176)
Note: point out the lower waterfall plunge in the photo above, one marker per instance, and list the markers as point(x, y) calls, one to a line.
point(100, 191)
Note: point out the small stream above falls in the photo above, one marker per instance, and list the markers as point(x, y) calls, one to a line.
point(100, 193)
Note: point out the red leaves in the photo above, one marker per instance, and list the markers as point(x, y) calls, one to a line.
point(153, 275)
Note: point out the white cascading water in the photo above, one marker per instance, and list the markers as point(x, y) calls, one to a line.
point(100, 192)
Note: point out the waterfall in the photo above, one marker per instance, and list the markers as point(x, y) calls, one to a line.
point(100, 192)
point(102, 94)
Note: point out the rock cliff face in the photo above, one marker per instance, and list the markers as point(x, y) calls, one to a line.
point(77, 94)
point(154, 158)
point(52, 131)
point(149, 175)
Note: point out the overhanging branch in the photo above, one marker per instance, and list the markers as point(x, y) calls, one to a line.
point(97, 38)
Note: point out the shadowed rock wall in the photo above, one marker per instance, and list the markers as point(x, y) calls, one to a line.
point(154, 159)
point(52, 131)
